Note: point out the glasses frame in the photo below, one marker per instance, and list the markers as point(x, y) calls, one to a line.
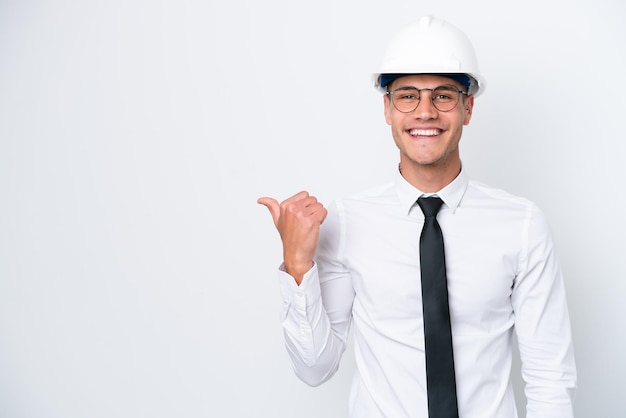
point(391, 93)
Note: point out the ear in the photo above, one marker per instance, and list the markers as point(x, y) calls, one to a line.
point(468, 105)
point(388, 108)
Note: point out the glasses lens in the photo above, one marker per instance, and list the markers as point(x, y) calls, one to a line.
point(445, 97)
point(406, 99)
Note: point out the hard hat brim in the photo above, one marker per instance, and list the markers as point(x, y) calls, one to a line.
point(476, 84)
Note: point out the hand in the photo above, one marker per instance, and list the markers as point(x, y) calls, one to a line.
point(298, 221)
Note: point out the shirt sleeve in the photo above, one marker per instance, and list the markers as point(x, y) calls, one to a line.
point(316, 315)
point(542, 325)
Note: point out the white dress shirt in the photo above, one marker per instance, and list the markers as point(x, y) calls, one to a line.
point(503, 277)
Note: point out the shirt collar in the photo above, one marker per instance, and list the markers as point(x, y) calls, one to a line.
point(450, 194)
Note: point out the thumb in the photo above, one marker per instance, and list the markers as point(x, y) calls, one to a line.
point(272, 205)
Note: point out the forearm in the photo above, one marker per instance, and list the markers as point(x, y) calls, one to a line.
point(543, 329)
point(548, 366)
point(315, 342)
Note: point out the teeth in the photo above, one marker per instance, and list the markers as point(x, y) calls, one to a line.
point(424, 132)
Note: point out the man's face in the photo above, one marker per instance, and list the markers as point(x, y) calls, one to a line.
point(427, 136)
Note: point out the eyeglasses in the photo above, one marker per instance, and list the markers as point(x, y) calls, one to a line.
point(444, 98)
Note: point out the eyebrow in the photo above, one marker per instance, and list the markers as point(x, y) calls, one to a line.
point(426, 88)
point(406, 88)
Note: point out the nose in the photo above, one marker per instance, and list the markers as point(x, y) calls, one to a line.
point(425, 108)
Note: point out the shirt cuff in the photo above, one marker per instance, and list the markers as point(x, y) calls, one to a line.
point(309, 289)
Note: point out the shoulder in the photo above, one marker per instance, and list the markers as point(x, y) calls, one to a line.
point(368, 203)
point(377, 192)
point(500, 205)
point(382, 194)
point(481, 193)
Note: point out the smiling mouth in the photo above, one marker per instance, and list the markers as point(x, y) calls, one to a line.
point(424, 132)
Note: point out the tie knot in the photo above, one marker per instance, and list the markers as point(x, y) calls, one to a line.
point(430, 205)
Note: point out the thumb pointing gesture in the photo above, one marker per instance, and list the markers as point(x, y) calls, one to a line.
point(298, 221)
point(273, 206)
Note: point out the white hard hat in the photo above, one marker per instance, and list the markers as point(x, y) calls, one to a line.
point(431, 46)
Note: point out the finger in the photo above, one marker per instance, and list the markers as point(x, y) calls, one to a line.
point(314, 209)
point(320, 213)
point(311, 206)
point(323, 214)
point(299, 197)
point(302, 200)
point(272, 205)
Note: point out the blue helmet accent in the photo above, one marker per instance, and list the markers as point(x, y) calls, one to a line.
point(463, 79)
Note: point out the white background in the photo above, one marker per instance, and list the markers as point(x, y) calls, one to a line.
point(137, 273)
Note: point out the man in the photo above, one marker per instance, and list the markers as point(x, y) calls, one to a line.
point(360, 262)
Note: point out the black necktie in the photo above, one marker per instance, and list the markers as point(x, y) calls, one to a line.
point(437, 334)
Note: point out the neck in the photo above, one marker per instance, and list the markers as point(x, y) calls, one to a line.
point(430, 178)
